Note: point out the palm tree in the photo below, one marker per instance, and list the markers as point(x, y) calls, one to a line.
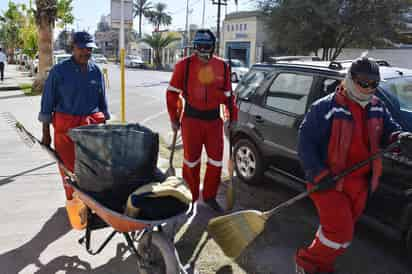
point(158, 41)
point(159, 16)
point(141, 8)
point(46, 15)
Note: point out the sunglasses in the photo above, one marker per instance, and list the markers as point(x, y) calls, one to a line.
point(366, 83)
point(204, 47)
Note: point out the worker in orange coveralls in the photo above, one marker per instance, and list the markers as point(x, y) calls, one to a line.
point(74, 95)
point(203, 80)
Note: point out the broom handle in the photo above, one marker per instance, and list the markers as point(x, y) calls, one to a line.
point(269, 213)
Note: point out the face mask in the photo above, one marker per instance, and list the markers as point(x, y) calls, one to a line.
point(204, 55)
point(353, 93)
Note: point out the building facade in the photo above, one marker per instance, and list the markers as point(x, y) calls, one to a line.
point(244, 33)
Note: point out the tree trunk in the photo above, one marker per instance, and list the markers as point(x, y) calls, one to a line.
point(45, 44)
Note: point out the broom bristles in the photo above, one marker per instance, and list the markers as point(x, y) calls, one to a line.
point(234, 232)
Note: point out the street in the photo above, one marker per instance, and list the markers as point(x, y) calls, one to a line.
point(36, 237)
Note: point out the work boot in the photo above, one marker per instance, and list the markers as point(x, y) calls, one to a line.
point(214, 205)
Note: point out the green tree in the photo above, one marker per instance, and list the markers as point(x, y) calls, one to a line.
point(64, 13)
point(159, 17)
point(29, 37)
point(142, 9)
point(158, 41)
point(304, 26)
point(12, 22)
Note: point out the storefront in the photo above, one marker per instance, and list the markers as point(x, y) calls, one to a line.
point(244, 33)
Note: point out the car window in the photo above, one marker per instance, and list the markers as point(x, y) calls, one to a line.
point(250, 83)
point(289, 92)
point(402, 88)
point(329, 86)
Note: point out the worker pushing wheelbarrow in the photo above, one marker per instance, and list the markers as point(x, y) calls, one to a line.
point(117, 184)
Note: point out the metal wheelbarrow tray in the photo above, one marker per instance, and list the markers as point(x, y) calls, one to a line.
point(142, 236)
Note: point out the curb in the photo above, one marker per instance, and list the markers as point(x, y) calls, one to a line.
point(9, 88)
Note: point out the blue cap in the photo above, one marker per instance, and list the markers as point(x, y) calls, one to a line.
point(83, 39)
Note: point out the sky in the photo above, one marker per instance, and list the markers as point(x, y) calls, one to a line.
point(88, 12)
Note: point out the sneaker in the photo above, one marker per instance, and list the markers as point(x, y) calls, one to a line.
point(214, 205)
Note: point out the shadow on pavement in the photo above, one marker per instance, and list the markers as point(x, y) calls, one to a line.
point(123, 262)
point(10, 178)
point(194, 237)
point(17, 259)
point(294, 227)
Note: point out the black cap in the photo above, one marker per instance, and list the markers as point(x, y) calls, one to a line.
point(366, 67)
point(83, 39)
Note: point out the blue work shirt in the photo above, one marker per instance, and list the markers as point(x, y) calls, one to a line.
point(71, 91)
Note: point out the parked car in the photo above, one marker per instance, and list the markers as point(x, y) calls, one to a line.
point(239, 69)
point(133, 61)
point(58, 58)
point(272, 101)
point(99, 58)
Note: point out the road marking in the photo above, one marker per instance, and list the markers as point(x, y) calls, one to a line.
point(153, 117)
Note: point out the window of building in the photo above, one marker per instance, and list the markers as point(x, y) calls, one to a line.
point(240, 27)
point(237, 27)
point(233, 28)
point(244, 26)
point(289, 92)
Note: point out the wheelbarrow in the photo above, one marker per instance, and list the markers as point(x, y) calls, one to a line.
point(147, 240)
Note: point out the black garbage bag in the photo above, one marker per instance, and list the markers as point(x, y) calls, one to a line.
point(114, 157)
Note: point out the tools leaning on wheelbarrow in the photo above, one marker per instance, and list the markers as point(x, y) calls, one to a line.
point(234, 232)
point(30, 140)
point(171, 170)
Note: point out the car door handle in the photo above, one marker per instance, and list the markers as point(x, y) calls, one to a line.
point(259, 119)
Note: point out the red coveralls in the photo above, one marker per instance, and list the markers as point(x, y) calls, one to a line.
point(340, 208)
point(64, 146)
point(207, 88)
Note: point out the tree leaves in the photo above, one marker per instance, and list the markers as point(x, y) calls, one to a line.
point(331, 25)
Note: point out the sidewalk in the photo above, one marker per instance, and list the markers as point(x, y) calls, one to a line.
point(13, 78)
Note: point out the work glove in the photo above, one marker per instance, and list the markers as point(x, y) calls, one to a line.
point(326, 183)
point(405, 135)
point(405, 139)
point(175, 126)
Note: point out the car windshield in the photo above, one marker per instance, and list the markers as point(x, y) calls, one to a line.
point(250, 83)
point(401, 87)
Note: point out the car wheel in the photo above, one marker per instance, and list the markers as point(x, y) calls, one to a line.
point(234, 78)
point(248, 162)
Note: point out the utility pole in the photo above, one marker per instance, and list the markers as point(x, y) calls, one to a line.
point(218, 3)
point(186, 44)
point(122, 72)
point(203, 14)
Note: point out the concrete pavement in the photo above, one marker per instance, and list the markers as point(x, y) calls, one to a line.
point(13, 78)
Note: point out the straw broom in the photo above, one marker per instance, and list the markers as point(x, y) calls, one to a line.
point(234, 232)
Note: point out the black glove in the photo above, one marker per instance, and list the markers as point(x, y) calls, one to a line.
point(405, 139)
point(325, 183)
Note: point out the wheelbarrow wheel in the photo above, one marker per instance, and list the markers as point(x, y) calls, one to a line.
point(158, 254)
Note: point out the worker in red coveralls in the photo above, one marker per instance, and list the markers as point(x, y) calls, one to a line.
point(203, 80)
point(74, 95)
point(340, 130)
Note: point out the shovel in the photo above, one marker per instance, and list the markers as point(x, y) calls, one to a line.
point(171, 170)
